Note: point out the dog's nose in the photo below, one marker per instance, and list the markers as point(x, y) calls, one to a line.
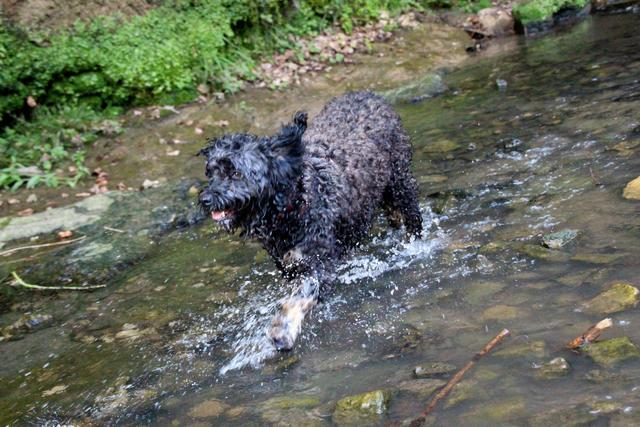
point(206, 199)
point(281, 345)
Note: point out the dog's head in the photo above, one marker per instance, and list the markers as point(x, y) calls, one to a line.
point(245, 169)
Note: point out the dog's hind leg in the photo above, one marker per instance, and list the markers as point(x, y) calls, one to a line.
point(401, 197)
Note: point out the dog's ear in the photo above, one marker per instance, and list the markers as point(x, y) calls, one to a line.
point(289, 140)
point(207, 148)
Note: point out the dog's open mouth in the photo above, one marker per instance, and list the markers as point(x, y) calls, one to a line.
point(222, 215)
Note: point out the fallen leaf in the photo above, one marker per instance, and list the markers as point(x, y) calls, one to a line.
point(26, 212)
point(121, 186)
point(54, 390)
point(65, 234)
point(32, 198)
point(83, 194)
point(198, 131)
point(147, 183)
point(31, 102)
point(173, 153)
point(13, 201)
point(221, 123)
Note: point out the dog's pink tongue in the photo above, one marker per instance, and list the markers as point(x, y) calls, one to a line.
point(218, 215)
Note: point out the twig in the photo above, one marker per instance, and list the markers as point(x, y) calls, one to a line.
point(20, 282)
point(115, 230)
point(594, 178)
point(42, 245)
point(417, 422)
point(590, 335)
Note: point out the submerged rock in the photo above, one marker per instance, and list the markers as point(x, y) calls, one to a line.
point(531, 349)
point(500, 312)
point(619, 297)
point(433, 369)
point(464, 390)
point(632, 190)
point(69, 218)
point(578, 416)
point(613, 351)
point(499, 412)
point(356, 410)
point(428, 86)
point(538, 252)
point(555, 368)
point(208, 409)
point(559, 238)
point(289, 402)
point(600, 259)
point(422, 387)
point(440, 146)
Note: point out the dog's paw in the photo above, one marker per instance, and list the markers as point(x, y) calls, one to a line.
point(292, 258)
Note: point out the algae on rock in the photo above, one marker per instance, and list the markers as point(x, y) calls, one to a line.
point(613, 351)
point(620, 296)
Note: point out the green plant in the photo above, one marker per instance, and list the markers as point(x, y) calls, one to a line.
point(160, 56)
point(539, 10)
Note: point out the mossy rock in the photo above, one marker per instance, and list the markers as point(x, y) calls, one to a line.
point(356, 410)
point(612, 352)
point(529, 12)
point(428, 86)
point(619, 297)
point(559, 238)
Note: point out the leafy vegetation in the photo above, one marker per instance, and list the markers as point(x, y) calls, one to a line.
point(539, 10)
point(77, 75)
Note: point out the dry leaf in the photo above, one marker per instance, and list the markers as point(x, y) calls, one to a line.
point(26, 212)
point(65, 234)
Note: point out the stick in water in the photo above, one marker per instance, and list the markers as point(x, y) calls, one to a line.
point(43, 245)
point(590, 335)
point(20, 282)
point(457, 377)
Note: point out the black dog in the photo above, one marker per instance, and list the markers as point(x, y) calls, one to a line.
point(310, 194)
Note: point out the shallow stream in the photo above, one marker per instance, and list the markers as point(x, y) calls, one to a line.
point(540, 139)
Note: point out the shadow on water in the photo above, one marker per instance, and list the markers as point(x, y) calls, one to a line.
point(178, 337)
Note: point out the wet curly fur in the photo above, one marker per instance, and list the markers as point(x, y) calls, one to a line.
point(310, 193)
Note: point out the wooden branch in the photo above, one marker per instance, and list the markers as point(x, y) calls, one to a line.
point(590, 335)
point(444, 391)
point(18, 281)
point(43, 245)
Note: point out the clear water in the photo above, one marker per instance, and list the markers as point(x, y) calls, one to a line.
point(552, 151)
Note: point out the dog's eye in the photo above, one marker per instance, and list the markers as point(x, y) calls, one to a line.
point(236, 174)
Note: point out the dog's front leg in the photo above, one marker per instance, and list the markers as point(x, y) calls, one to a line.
point(287, 323)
